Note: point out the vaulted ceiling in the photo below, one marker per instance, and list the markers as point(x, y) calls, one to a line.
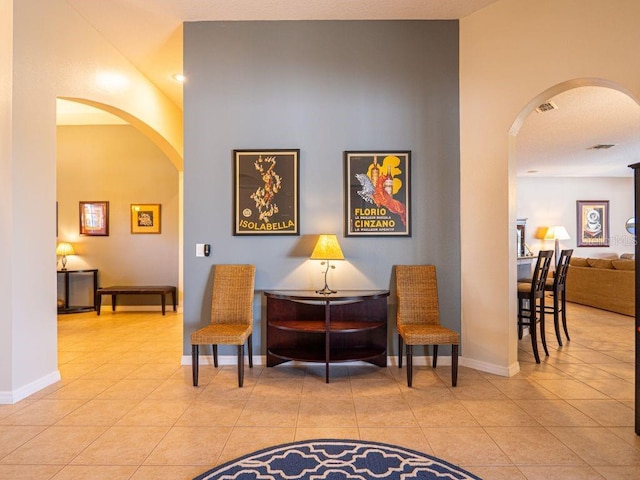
point(558, 142)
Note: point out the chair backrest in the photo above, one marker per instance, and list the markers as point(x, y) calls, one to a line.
point(233, 292)
point(560, 277)
point(540, 272)
point(417, 291)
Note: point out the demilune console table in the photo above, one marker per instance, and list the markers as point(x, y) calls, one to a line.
point(345, 326)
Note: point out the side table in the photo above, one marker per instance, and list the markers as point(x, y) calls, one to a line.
point(345, 326)
point(93, 273)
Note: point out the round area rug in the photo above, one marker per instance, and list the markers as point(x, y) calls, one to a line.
point(336, 460)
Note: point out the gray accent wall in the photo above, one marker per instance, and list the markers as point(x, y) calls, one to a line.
point(322, 87)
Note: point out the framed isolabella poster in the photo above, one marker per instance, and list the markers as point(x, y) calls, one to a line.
point(266, 195)
point(377, 193)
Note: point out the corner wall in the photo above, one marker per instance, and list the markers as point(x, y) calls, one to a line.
point(511, 52)
point(55, 53)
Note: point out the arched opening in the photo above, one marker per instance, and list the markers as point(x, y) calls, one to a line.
point(560, 208)
point(106, 155)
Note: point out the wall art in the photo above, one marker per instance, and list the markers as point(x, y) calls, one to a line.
point(266, 192)
point(593, 223)
point(377, 193)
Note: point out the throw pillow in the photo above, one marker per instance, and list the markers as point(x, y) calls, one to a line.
point(600, 263)
point(578, 262)
point(624, 264)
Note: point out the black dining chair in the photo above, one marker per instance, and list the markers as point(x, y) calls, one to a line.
point(557, 288)
point(531, 308)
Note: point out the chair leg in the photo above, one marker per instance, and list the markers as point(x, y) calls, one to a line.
point(556, 319)
point(409, 365)
point(564, 316)
point(240, 365)
point(250, 348)
point(195, 363)
point(520, 319)
point(434, 360)
point(543, 335)
point(454, 365)
point(215, 355)
point(532, 333)
point(400, 351)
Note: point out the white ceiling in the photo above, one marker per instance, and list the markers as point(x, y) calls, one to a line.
point(149, 34)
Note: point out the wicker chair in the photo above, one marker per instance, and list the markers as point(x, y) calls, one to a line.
point(418, 317)
point(231, 316)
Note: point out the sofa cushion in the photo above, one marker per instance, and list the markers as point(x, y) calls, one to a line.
point(600, 263)
point(578, 262)
point(624, 264)
point(628, 256)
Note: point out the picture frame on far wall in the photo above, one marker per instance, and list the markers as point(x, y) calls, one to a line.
point(377, 191)
point(266, 197)
point(593, 223)
point(94, 218)
point(146, 218)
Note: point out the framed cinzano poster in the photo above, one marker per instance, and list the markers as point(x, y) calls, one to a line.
point(377, 193)
point(266, 196)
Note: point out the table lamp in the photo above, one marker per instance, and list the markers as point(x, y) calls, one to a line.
point(557, 233)
point(64, 249)
point(327, 248)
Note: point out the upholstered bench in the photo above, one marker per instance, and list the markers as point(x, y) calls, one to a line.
point(162, 290)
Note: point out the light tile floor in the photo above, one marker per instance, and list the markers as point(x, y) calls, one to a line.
point(125, 408)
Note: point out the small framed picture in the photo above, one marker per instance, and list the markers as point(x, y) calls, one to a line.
point(377, 193)
point(593, 223)
point(145, 218)
point(94, 218)
point(265, 192)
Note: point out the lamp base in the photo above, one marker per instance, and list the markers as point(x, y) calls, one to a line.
point(326, 291)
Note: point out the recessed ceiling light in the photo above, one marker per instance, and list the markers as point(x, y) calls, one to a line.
point(602, 146)
point(178, 77)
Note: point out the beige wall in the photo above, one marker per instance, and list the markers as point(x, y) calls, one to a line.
point(6, 153)
point(552, 201)
point(116, 163)
point(510, 54)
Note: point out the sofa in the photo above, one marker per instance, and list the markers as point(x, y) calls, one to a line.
point(606, 283)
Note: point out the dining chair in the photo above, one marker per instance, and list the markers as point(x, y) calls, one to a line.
point(531, 308)
point(557, 288)
point(231, 316)
point(418, 317)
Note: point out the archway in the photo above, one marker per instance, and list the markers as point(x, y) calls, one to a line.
point(549, 95)
point(152, 173)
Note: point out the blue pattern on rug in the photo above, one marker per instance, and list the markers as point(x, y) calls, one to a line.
point(336, 460)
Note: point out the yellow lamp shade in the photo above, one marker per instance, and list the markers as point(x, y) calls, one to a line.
point(327, 248)
point(557, 232)
point(64, 249)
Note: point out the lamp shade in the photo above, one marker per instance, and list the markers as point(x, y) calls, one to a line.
point(327, 248)
point(64, 249)
point(557, 232)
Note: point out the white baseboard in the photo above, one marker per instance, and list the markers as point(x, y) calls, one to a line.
point(14, 396)
point(391, 361)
